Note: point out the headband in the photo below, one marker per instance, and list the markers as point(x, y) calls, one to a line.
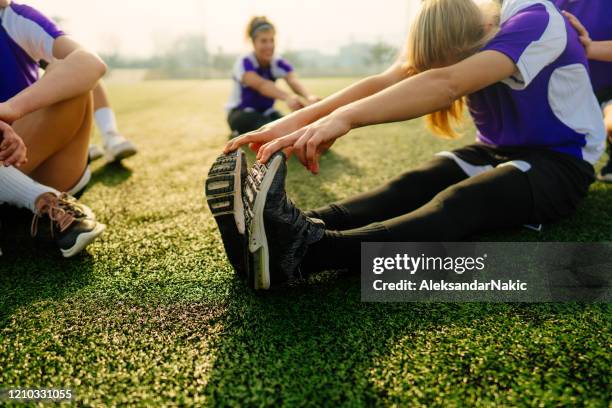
point(263, 26)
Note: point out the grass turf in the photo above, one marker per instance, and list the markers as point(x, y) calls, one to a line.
point(152, 313)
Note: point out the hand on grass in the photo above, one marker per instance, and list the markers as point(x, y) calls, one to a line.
point(12, 149)
point(309, 142)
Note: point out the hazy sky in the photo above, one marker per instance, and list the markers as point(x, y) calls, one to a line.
point(139, 27)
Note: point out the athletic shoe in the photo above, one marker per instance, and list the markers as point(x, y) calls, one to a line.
point(279, 233)
point(71, 230)
point(95, 152)
point(224, 196)
point(117, 148)
point(80, 209)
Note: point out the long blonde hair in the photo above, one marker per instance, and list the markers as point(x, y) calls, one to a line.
point(445, 32)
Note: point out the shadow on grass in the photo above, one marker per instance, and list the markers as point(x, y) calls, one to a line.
point(320, 345)
point(31, 270)
point(111, 175)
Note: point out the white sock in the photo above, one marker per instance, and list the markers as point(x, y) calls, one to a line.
point(106, 122)
point(20, 190)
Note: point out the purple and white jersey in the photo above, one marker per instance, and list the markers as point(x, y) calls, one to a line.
point(549, 102)
point(26, 37)
point(246, 98)
point(596, 16)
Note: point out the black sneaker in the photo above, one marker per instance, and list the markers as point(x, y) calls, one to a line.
point(70, 228)
point(224, 196)
point(279, 233)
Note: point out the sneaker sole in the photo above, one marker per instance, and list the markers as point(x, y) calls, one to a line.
point(83, 241)
point(258, 241)
point(121, 155)
point(224, 198)
point(95, 154)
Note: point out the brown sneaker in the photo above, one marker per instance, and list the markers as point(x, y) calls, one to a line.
point(71, 227)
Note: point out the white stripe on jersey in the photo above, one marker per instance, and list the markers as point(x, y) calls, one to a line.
point(31, 37)
point(542, 52)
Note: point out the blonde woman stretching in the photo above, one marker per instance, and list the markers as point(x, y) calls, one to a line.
point(523, 73)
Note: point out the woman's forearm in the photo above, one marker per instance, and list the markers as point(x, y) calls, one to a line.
point(355, 92)
point(78, 73)
point(269, 89)
point(434, 91)
point(297, 87)
point(601, 51)
point(430, 91)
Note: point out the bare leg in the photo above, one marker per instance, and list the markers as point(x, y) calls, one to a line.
point(57, 138)
point(100, 97)
point(116, 146)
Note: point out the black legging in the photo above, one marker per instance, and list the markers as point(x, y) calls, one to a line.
point(437, 202)
point(242, 121)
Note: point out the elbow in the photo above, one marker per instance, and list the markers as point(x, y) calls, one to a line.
point(99, 66)
point(448, 85)
point(95, 66)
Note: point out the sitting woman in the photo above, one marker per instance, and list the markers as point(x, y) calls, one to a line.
point(593, 20)
point(524, 75)
point(252, 100)
point(51, 119)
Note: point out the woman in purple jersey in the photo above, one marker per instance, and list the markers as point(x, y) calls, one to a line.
point(593, 21)
point(254, 93)
point(52, 117)
point(521, 71)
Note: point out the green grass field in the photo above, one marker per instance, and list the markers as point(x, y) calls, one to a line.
point(153, 315)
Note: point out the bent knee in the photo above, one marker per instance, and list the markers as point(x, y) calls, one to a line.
point(77, 106)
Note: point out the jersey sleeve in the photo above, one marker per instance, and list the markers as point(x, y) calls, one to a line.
point(533, 38)
point(242, 66)
point(281, 68)
point(31, 30)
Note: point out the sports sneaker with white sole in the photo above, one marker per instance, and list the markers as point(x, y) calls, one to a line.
point(224, 197)
point(279, 232)
point(70, 229)
point(117, 148)
point(95, 152)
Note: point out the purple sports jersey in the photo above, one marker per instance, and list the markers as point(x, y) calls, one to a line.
point(549, 102)
point(26, 37)
point(596, 16)
point(247, 98)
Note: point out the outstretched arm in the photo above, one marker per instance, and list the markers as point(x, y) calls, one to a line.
point(268, 88)
point(296, 86)
point(312, 113)
point(437, 89)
